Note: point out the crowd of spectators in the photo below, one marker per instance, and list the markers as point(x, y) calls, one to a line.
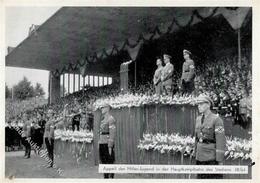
point(228, 84)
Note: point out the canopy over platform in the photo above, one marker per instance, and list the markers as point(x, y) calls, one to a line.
point(74, 36)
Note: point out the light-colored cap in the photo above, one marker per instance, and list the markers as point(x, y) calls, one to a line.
point(187, 51)
point(167, 56)
point(204, 99)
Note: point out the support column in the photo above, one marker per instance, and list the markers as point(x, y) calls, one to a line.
point(73, 82)
point(79, 82)
point(54, 88)
point(84, 82)
point(63, 86)
point(68, 83)
point(98, 81)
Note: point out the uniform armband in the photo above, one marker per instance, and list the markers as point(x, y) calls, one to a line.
point(219, 129)
point(192, 67)
point(112, 127)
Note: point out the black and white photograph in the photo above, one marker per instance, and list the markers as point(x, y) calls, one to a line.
point(128, 92)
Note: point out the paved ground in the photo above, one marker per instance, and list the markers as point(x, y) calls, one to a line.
point(18, 167)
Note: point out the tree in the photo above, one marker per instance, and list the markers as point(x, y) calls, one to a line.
point(38, 90)
point(23, 89)
point(8, 92)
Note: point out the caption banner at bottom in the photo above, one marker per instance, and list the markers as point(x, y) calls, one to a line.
point(172, 169)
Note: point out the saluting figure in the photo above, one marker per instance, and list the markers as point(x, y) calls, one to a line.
point(188, 73)
point(76, 115)
point(157, 77)
point(210, 141)
point(49, 136)
point(167, 74)
point(107, 138)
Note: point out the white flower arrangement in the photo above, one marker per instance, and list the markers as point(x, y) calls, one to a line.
point(136, 100)
point(167, 143)
point(76, 136)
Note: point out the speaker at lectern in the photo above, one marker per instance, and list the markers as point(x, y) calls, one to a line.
point(124, 79)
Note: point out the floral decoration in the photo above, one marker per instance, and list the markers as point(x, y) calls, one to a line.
point(173, 143)
point(136, 100)
point(76, 136)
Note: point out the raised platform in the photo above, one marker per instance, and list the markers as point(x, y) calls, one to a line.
point(133, 122)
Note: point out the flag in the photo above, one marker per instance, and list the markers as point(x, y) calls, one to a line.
point(235, 17)
point(133, 52)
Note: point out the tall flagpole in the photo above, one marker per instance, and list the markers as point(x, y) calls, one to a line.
point(239, 49)
point(238, 42)
point(135, 73)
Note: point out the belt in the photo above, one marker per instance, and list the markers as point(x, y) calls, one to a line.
point(104, 133)
point(207, 141)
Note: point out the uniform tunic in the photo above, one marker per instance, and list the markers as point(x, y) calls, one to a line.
point(157, 80)
point(166, 77)
point(26, 135)
point(76, 118)
point(49, 140)
point(188, 75)
point(210, 143)
point(210, 138)
point(107, 130)
point(106, 141)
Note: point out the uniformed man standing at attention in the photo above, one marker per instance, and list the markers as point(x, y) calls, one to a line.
point(188, 73)
point(26, 135)
point(157, 77)
point(167, 74)
point(210, 141)
point(107, 138)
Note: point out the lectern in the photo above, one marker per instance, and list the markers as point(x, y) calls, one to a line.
point(124, 79)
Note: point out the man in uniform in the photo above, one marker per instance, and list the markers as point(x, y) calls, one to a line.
point(49, 135)
point(26, 135)
point(157, 77)
point(41, 123)
point(107, 138)
point(167, 74)
point(188, 73)
point(210, 141)
point(76, 115)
